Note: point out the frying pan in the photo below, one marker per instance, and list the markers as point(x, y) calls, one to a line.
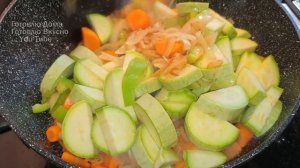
point(23, 63)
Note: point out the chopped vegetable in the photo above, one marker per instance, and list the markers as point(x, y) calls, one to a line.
point(68, 103)
point(113, 163)
point(53, 133)
point(245, 135)
point(39, 108)
point(70, 158)
point(180, 164)
point(138, 19)
point(159, 87)
point(167, 49)
point(90, 39)
point(233, 150)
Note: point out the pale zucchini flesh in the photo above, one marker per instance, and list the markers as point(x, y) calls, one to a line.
point(118, 129)
point(203, 159)
point(62, 66)
point(76, 130)
point(113, 93)
point(226, 104)
point(249, 82)
point(156, 117)
point(208, 132)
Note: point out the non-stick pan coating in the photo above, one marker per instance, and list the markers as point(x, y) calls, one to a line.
point(22, 64)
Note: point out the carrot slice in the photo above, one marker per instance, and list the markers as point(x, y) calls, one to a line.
point(90, 39)
point(232, 151)
point(180, 164)
point(68, 157)
point(68, 103)
point(97, 165)
point(52, 133)
point(189, 146)
point(245, 135)
point(138, 19)
point(113, 163)
point(162, 45)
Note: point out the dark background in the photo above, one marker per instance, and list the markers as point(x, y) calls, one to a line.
point(284, 153)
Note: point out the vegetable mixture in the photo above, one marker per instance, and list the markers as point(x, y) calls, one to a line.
point(156, 87)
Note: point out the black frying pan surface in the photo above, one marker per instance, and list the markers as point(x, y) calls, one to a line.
point(23, 63)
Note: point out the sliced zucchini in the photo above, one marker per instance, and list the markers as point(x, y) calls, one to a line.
point(98, 136)
point(203, 159)
point(84, 76)
point(184, 8)
point(176, 103)
point(93, 96)
point(228, 28)
point(215, 25)
point(149, 85)
point(82, 52)
point(102, 26)
point(243, 33)
point(140, 153)
point(187, 76)
point(223, 82)
point(225, 47)
point(117, 128)
point(250, 61)
point(268, 73)
point(226, 104)
point(240, 45)
point(166, 157)
point(151, 147)
point(256, 117)
point(194, 54)
point(113, 93)
point(249, 82)
point(156, 120)
point(76, 130)
point(274, 115)
point(208, 132)
point(219, 77)
point(63, 66)
point(94, 68)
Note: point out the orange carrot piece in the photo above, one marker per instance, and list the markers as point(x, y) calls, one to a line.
point(138, 19)
point(113, 163)
point(68, 157)
point(97, 165)
point(106, 159)
point(245, 135)
point(180, 164)
point(90, 39)
point(52, 133)
point(68, 103)
point(232, 151)
point(162, 45)
point(189, 146)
